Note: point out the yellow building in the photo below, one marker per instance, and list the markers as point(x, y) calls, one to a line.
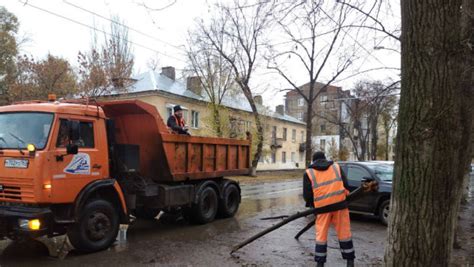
point(283, 134)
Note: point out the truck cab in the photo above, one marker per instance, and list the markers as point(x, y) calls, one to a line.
point(73, 168)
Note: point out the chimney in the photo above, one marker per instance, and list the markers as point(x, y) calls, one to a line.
point(194, 85)
point(280, 109)
point(258, 99)
point(169, 72)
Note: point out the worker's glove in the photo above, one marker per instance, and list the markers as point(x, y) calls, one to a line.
point(309, 205)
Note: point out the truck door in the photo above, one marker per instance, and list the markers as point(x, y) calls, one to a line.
point(72, 172)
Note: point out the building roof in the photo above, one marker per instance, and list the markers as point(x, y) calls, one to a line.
point(154, 81)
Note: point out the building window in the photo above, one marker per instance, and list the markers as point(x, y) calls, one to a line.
point(274, 157)
point(248, 126)
point(185, 115)
point(322, 144)
point(194, 119)
point(274, 129)
point(169, 110)
point(300, 102)
point(293, 135)
point(323, 127)
point(324, 98)
point(284, 133)
point(301, 156)
point(293, 157)
point(300, 116)
point(283, 157)
point(302, 136)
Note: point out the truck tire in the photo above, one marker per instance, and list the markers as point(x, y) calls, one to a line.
point(384, 211)
point(230, 202)
point(146, 213)
point(206, 209)
point(96, 228)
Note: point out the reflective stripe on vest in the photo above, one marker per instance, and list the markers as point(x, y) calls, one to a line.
point(328, 187)
point(315, 182)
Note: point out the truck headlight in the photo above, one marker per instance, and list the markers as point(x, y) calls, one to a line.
point(34, 224)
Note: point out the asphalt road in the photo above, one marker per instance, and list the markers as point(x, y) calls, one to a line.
point(174, 242)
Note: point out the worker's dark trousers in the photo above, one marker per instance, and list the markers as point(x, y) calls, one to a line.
point(340, 219)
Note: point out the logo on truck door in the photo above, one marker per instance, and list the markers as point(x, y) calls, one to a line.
point(80, 164)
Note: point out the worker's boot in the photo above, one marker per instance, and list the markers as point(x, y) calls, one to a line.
point(320, 264)
point(350, 263)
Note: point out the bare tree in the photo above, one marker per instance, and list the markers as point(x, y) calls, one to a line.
point(316, 37)
point(35, 79)
point(237, 33)
point(362, 112)
point(109, 68)
point(378, 98)
point(213, 72)
point(434, 131)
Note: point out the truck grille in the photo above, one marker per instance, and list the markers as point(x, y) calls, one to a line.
point(17, 189)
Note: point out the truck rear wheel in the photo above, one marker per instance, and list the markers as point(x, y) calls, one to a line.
point(206, 209)
point(230, 202)
point(96, 228)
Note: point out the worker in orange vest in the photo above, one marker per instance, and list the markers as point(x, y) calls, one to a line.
point(176, 122)
point(325, 184)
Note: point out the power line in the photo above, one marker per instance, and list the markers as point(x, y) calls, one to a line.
point(94, 28)
point(123, 25)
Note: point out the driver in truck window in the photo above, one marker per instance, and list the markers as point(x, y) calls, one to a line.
point(176, 122)
point(63, 136)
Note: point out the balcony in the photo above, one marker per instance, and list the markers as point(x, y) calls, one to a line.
point(302, 147)
point(276, 143)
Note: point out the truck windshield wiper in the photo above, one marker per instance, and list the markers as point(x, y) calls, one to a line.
point(4, 141)
point(19, 141)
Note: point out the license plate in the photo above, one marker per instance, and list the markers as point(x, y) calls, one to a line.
point(16, 163)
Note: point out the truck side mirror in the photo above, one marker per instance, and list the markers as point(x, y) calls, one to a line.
point(74, 131)
point(72, 149)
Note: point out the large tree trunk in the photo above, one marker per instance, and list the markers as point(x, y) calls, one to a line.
point(259, 126)
point(374, 138)
point(309, 133)
point(434, 128)
point(217, 120)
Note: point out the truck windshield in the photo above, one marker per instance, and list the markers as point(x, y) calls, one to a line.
point(19, 129)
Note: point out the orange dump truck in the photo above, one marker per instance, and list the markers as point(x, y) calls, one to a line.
point(81, 169)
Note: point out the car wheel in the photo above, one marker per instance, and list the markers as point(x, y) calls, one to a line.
point(384, 211)
point(230, 203)
point(96, 228)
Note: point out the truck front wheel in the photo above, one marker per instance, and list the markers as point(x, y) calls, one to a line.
point(97, 227)
point(206, 209)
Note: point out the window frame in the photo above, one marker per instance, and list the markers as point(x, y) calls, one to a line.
point(194, 119)
point(81, 121)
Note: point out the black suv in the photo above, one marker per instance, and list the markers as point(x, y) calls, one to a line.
point(375, 203)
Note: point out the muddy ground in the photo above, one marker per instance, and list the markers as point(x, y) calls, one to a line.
point(172, 241)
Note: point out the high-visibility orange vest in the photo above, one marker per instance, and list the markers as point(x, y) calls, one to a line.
point(179, 122)
point(327, 185)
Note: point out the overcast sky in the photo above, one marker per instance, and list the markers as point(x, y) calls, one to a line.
point(63, 27)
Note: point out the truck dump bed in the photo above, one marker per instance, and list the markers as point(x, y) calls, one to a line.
point(167, 157)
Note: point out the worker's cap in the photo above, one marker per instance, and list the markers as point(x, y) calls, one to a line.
point(177, 108)
point(318, 155)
